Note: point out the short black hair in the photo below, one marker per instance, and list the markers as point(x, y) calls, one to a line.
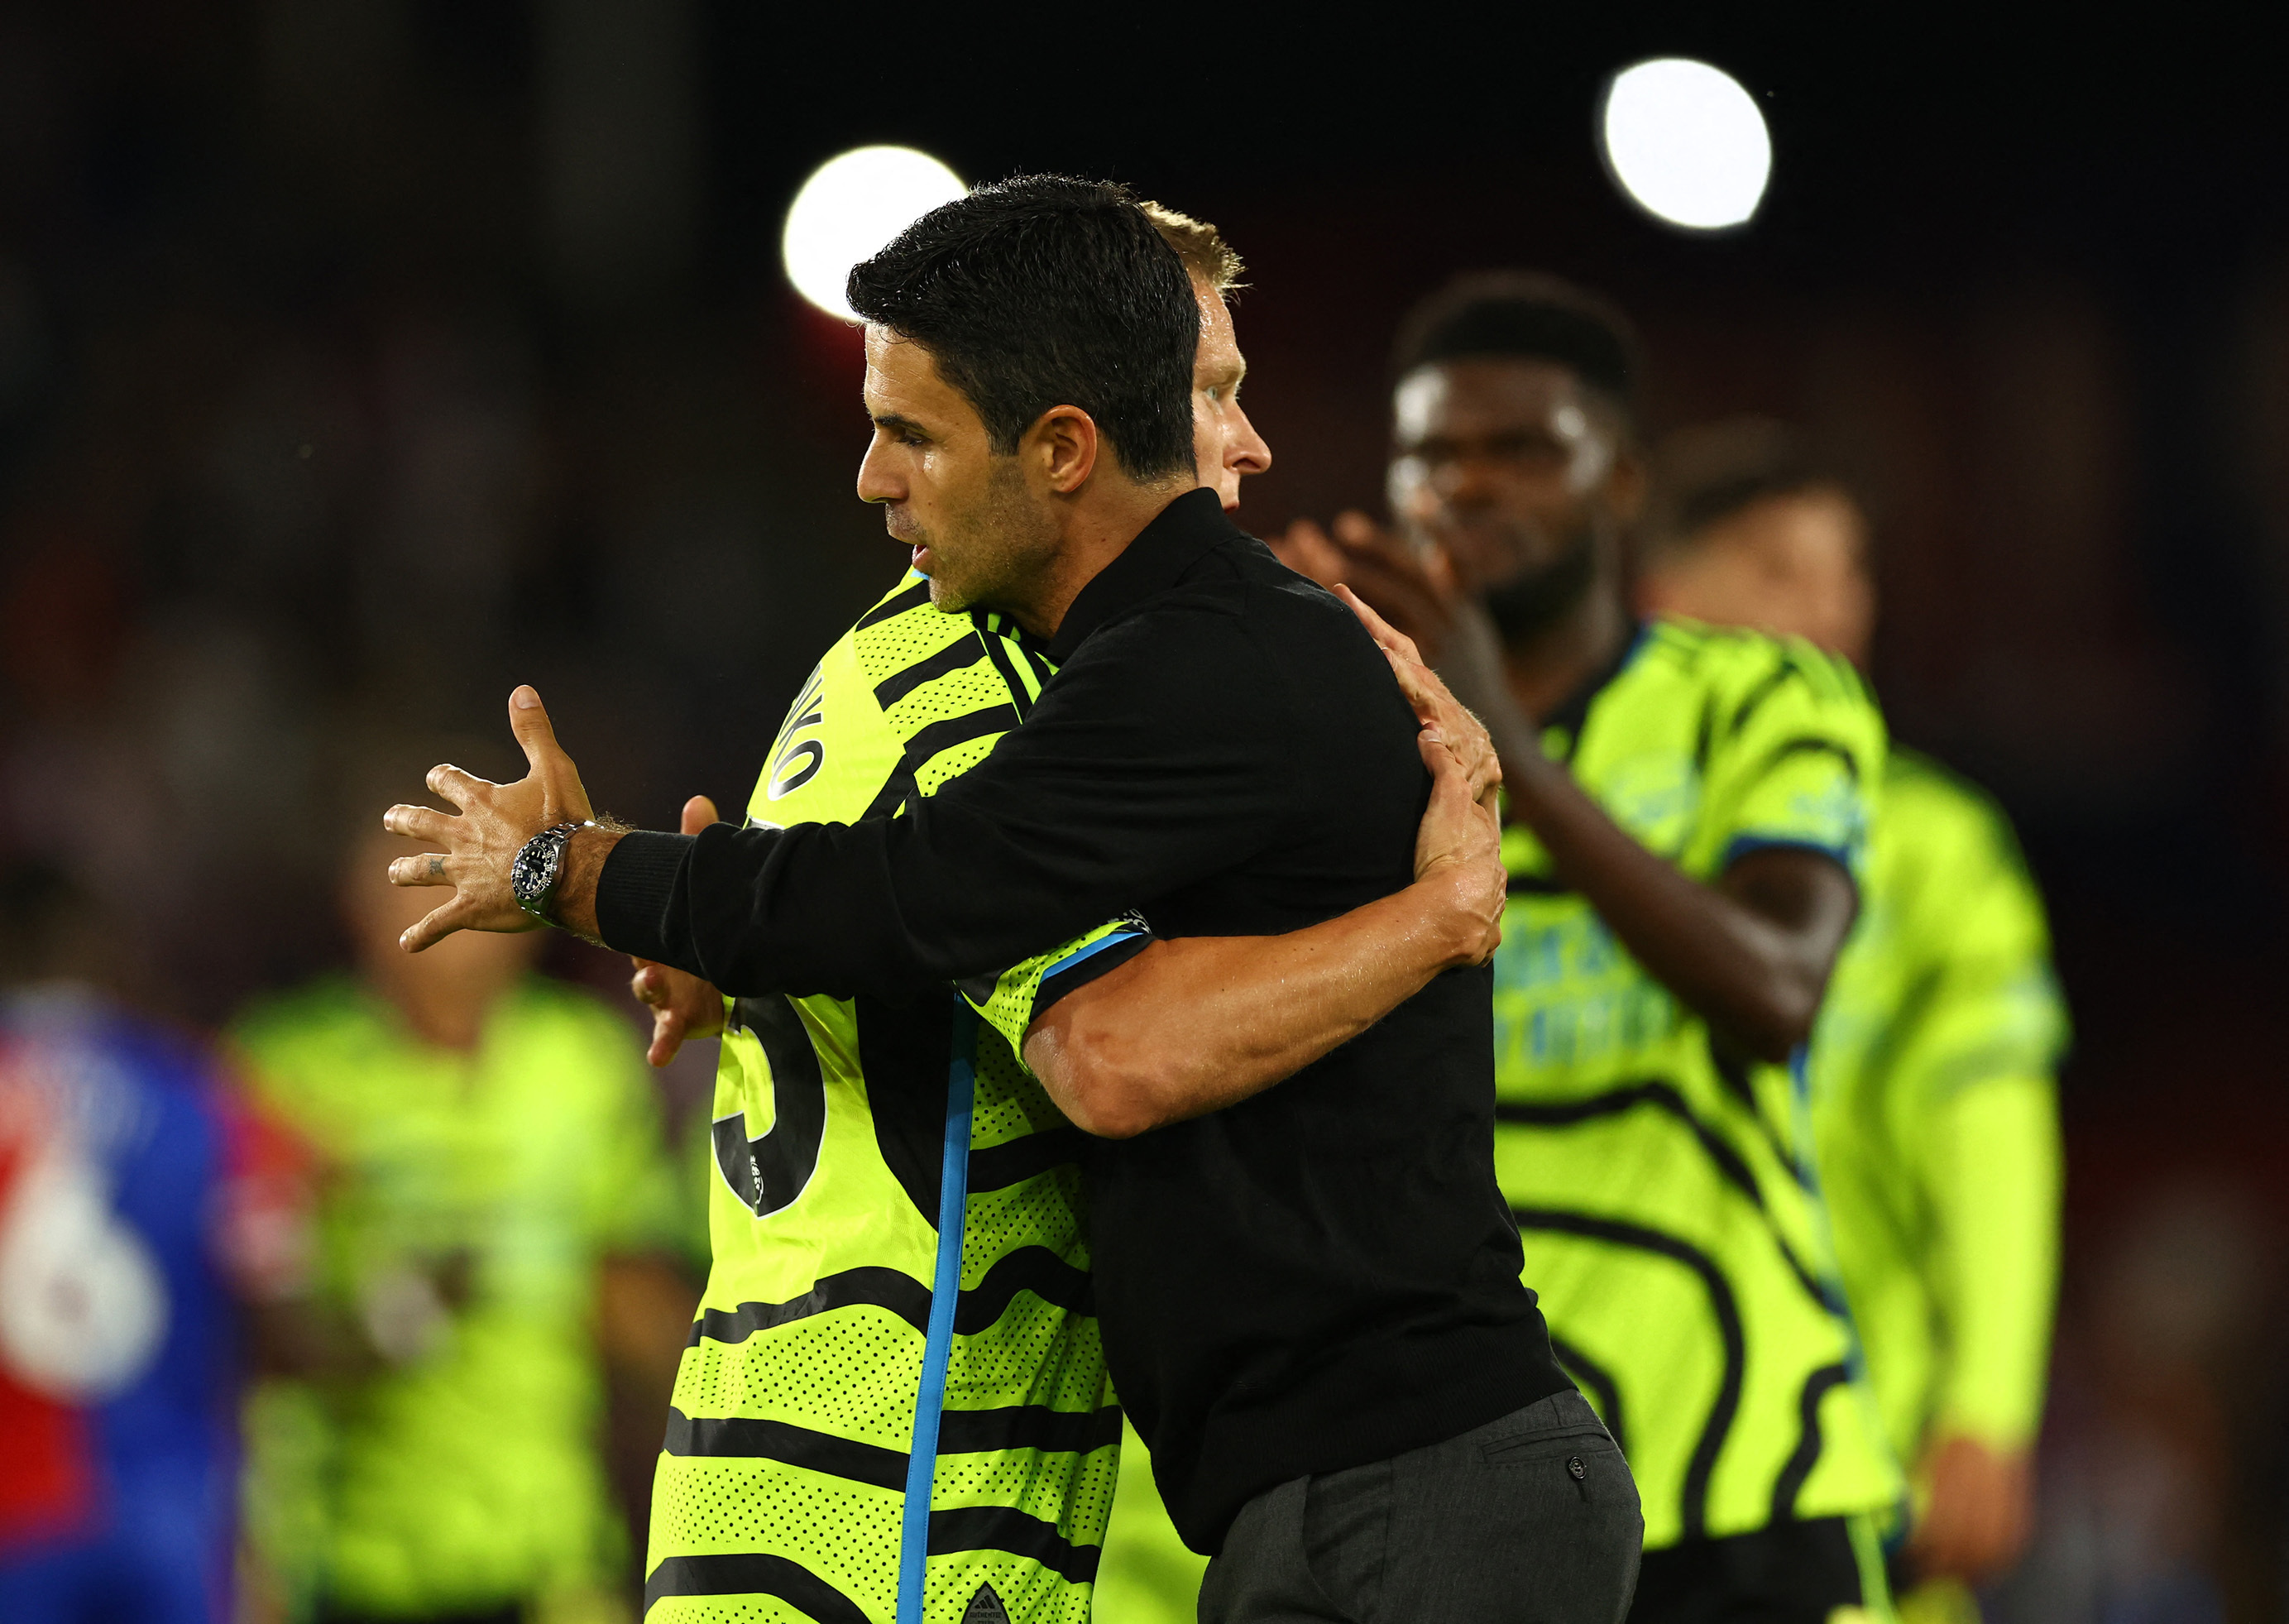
point(1042, 291)
point(1526, 314)
point(1704, 476)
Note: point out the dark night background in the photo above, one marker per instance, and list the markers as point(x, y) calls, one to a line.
point(359, 358)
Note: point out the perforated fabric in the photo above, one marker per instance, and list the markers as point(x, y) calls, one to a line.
point(809, 1348)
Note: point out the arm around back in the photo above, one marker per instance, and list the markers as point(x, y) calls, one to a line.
point(1191, 1026)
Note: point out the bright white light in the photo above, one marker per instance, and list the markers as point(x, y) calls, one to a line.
point(1687, 143)
point(850, 207)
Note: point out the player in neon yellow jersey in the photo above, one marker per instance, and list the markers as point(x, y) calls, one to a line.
point(1934, 1104)
point(788, 1453)
point(493, 1226)
point(1687, 836)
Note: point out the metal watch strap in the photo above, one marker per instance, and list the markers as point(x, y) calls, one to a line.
point(538, 869)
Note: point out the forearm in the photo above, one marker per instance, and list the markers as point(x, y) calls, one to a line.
point(1758, 981)
point(832, 908)
point(1194, 1024)
point(1995, 1181)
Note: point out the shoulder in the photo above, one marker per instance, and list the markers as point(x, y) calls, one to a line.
point(1913, 780)
point(1741, 670)
point(1239, 611)
point(903, 628)
point(1930, 806)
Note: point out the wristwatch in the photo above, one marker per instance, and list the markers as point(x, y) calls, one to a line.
point(539, 865)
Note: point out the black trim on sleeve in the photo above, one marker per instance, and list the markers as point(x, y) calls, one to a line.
point(1075, 977)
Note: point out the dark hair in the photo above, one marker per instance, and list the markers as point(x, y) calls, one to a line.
point(1042, 291)
point(1706, 475)
point(1526, 314)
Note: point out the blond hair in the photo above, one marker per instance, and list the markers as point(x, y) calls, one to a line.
point(1206, 256)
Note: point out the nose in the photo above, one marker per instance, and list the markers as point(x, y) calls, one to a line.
point(878, 480)
point(1247, 451)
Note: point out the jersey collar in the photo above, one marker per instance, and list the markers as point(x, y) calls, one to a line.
point(1575, 711)
point(1154, 562)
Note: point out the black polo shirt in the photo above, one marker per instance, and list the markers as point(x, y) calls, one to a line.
point(1323, 1276)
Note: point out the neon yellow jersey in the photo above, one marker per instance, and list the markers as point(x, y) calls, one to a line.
point(887, 1395)
point(1149, 1576)
point(1936, 1117)
point(1661, 1188)
point(463, 1474)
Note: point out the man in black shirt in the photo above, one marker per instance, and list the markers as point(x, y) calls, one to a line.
point(1308, 1294)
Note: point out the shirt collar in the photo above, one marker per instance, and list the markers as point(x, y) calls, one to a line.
point(1178, 534)
point(1573, 714)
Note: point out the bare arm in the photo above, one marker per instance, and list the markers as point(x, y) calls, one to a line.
point(1751, 955)
point(1191, 1026)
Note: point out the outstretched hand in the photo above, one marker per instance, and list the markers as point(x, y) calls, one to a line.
point(682, 1004)
point(494, 821)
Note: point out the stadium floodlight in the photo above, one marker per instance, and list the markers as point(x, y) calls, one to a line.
point(849, 207)
point(1686, 142)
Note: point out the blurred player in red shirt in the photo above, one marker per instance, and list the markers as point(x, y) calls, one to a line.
point(141, 1207)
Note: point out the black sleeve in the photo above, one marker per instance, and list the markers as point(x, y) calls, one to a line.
point(1153, 760)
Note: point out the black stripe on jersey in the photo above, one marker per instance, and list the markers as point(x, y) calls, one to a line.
point(895, 605)
point(1806, 1454)
point(751, 1439)
point(1732, 1166)
point(1694, 1502)
point(1029, 1269)
point(1589, 1373)
point(942, 736)
point(1042, 669)
point(959, 655)
point(871, 1287)
point(997, 1167)
point(1812, 747)
point(752, 1573)
point(976, 1432)
point(1003, 1528)
point(1021, 698)
point(931, 740)
point(1755, 696)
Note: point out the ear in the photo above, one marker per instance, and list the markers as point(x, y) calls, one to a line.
point(1062, 447)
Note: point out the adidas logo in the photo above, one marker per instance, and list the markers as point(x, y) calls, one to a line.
point(985, 1608)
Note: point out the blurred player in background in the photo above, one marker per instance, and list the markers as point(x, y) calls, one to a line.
point(141, 1208)
point(1686, 836)
point(494, 1209)
point(800, 1383)
point(1934, 1108)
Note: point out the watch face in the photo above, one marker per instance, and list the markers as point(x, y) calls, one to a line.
point(533, 874)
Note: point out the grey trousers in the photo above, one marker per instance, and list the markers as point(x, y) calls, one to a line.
point(1532, 1519)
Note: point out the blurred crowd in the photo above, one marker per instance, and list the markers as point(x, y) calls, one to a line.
point(316, 432)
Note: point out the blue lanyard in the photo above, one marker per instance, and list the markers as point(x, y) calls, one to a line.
point(945, 1293)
